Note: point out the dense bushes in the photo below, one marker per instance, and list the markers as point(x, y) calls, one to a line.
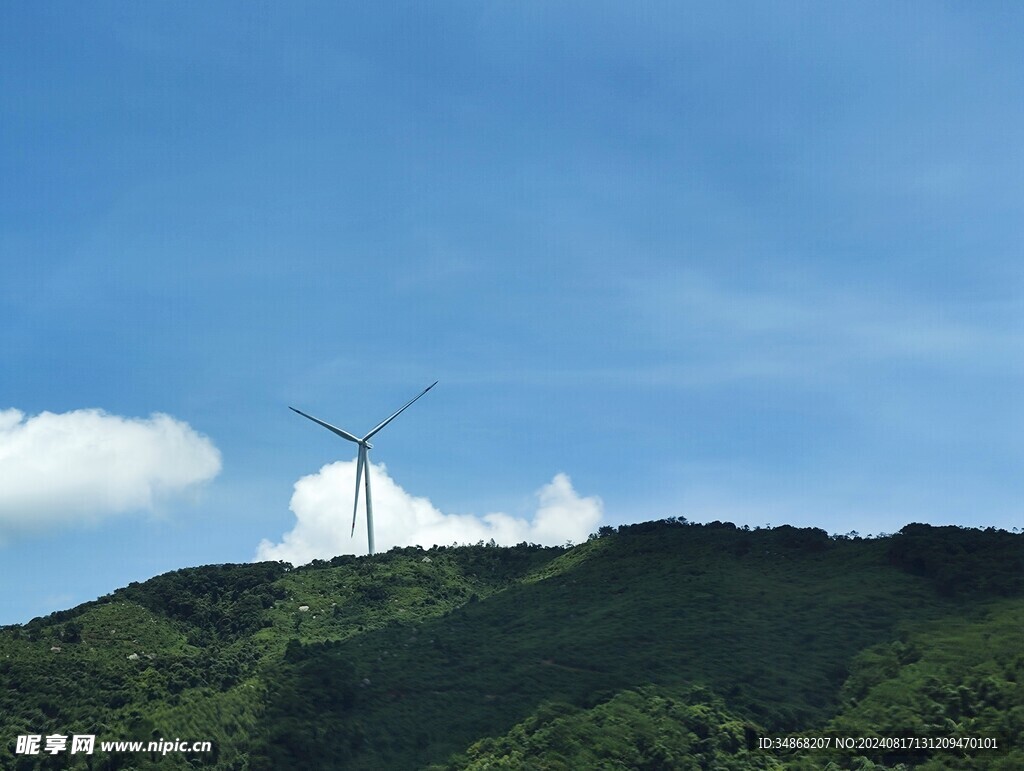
point(962, 561)
point(217, 602)
point(644, 728)
point(605, 654)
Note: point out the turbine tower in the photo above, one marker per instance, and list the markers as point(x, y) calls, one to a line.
point(364, 459)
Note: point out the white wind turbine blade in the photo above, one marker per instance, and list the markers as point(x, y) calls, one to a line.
point(359, 473)
point(339, 431)
point(383, 423)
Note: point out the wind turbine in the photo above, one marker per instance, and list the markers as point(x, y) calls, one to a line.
point(364, 459)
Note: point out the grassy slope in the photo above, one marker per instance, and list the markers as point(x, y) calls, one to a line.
point(402, 662)
point(206, 639)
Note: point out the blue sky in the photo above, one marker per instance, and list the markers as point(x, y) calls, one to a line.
point(756, 262)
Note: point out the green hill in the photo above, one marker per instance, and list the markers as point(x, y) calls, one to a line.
point(656, 646)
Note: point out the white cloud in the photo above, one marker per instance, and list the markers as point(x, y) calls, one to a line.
point(322, 504)
point(85, 465)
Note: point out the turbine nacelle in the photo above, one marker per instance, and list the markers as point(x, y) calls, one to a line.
point(363, 459)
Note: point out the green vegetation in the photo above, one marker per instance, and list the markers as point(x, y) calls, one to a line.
point(955, 678)
point(654, 646)
point(643, 728)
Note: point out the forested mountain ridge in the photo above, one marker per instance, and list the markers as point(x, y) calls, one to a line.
point(659, 645)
